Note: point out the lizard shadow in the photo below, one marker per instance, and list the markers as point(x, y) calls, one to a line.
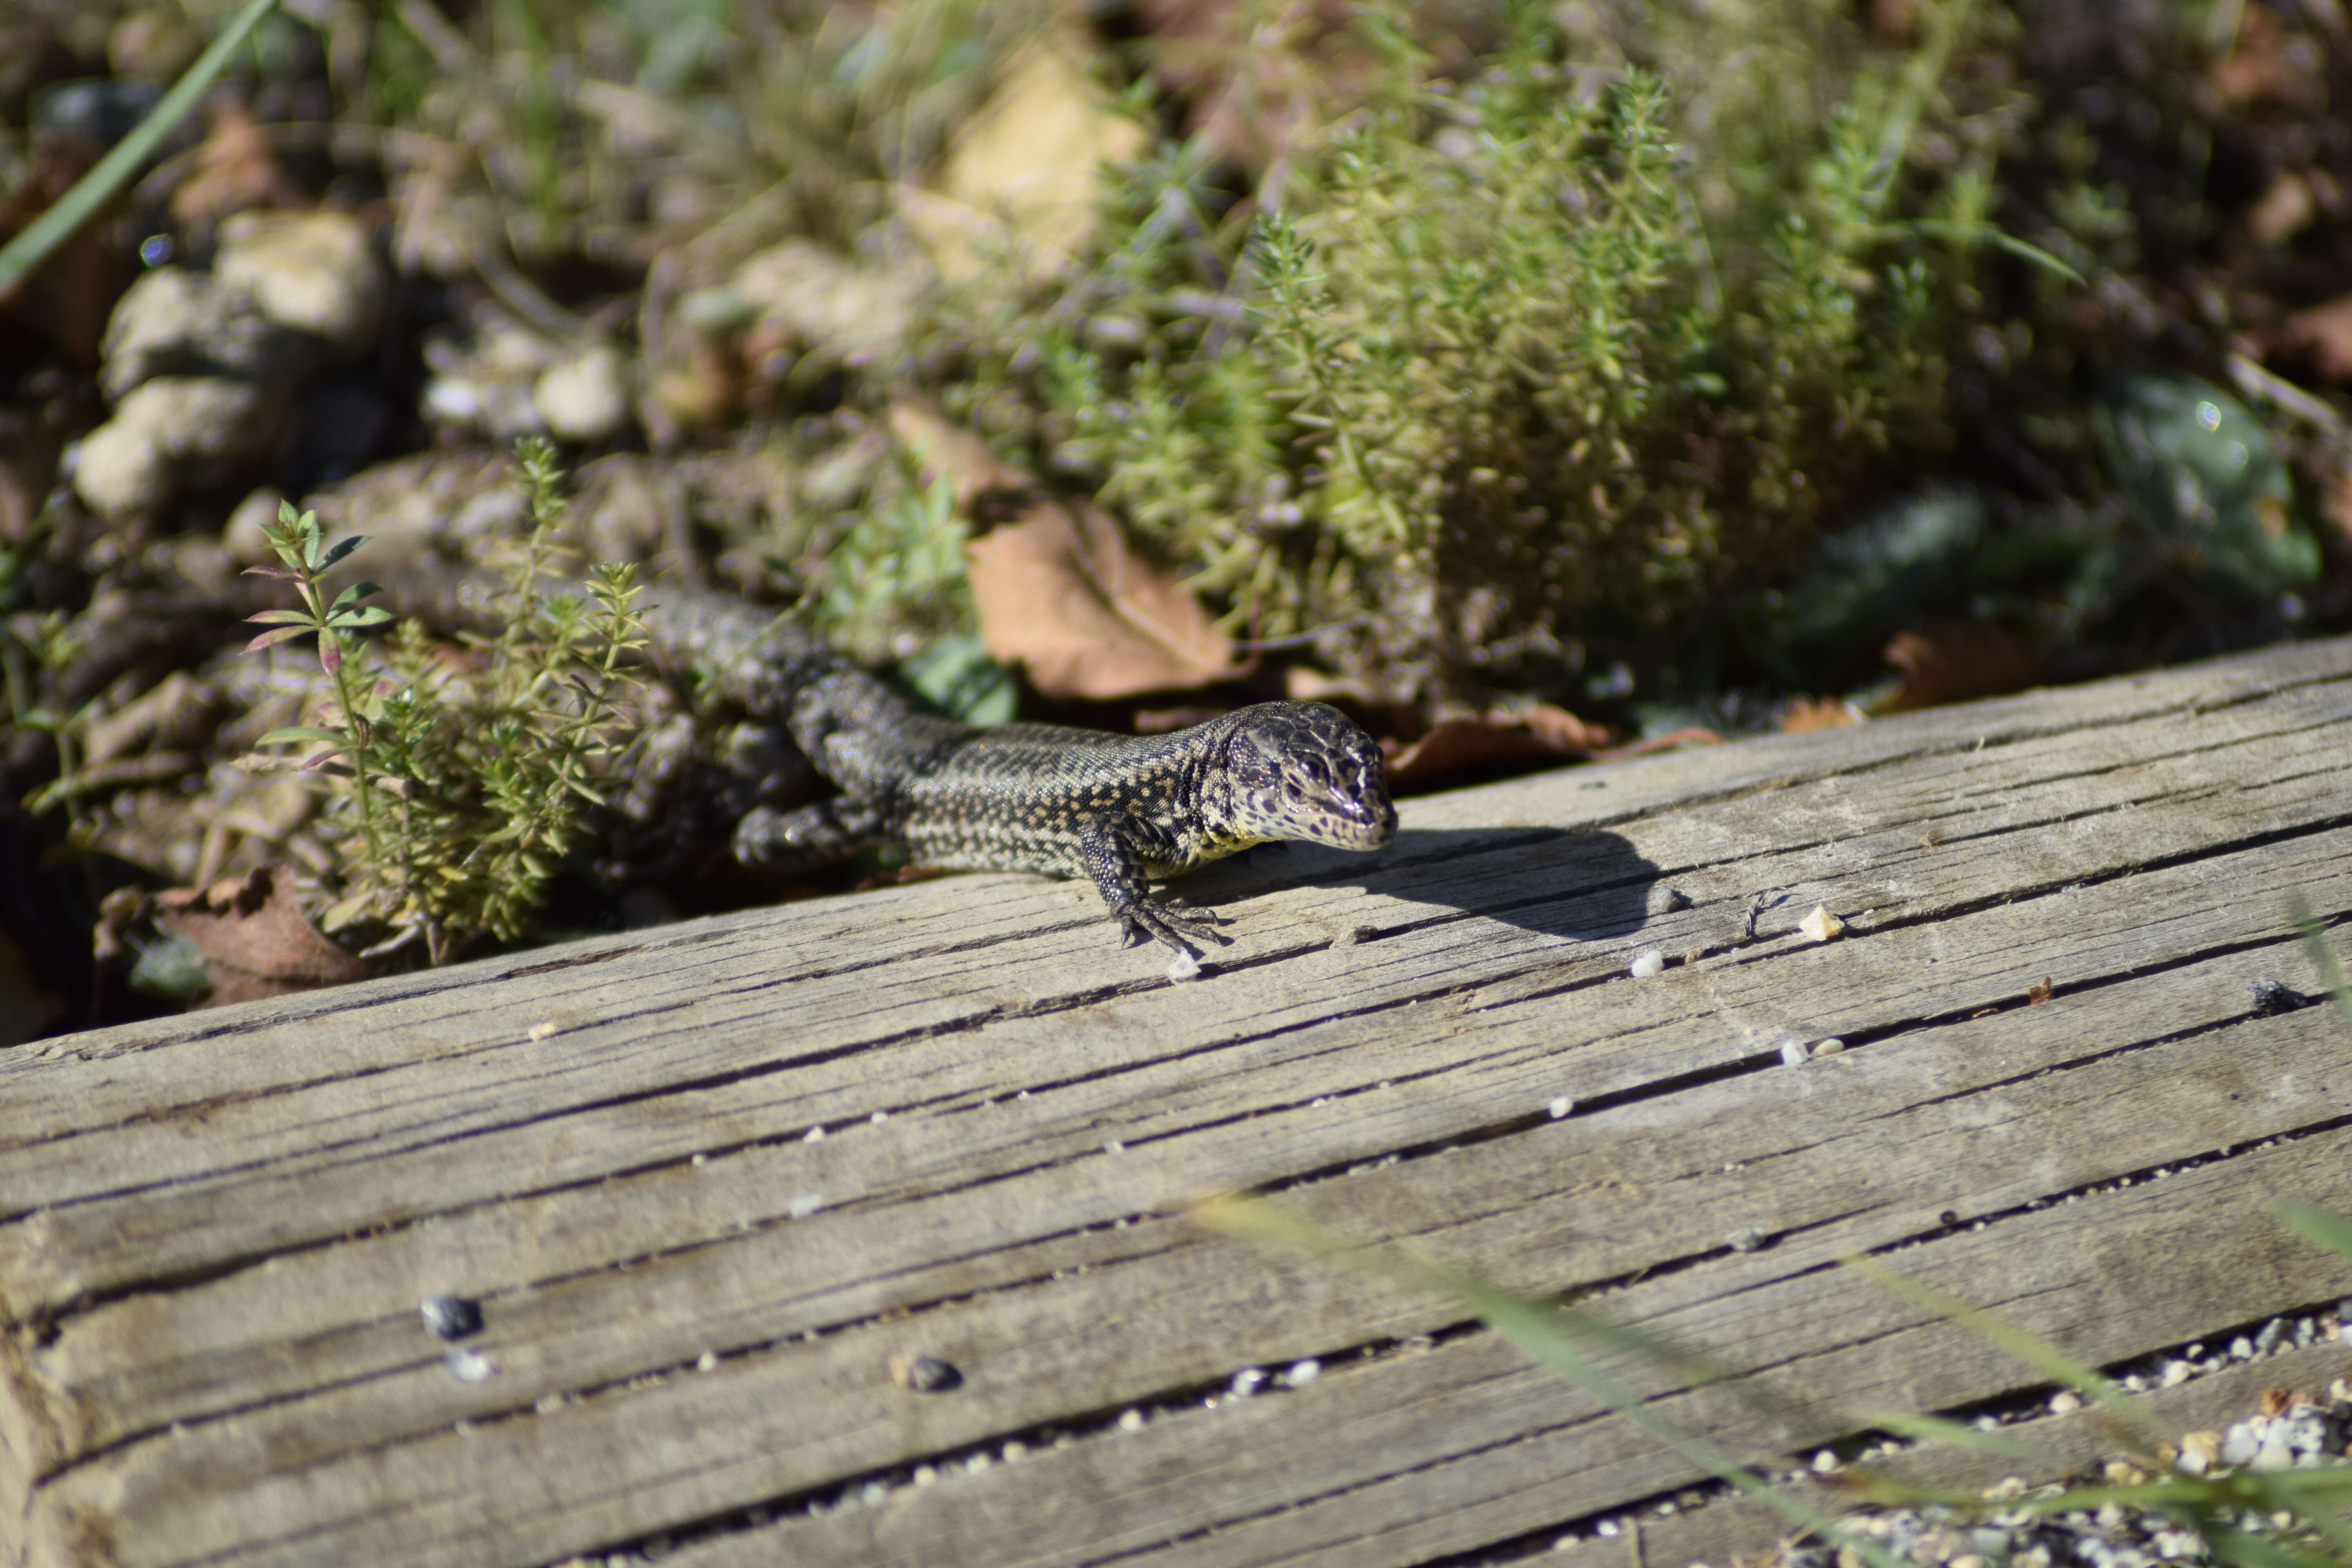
point(1578, 884)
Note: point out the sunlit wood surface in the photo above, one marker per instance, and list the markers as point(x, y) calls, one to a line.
point(214, 1232)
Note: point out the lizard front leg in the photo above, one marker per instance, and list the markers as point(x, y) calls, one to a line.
point(1112, 847)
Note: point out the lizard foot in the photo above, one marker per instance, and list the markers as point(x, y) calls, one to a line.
point(808, 839)
point(1142, 923)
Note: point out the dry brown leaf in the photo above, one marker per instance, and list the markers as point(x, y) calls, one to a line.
point(1060, 594)
point(1167, 721)
point(2264, 64)
point(1461, 748)
point(1805, 714)
point(2324, 333)
point(1671, 740)
point(1026, 174)
point(28, 467)
point(705, 388)
point(2282, 211)
point(1058, 590)
point(1305, 683)
point(949, 451)
point(1559, 728)
point(1953, 661)
point(254, 937)
point(66, 298)
point(2040, 991)
point(235, 170)
point(1259, 77)
point(2339, 500)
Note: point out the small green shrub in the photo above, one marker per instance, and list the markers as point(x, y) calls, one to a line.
point(462, 781)
point(1487, 370)
point(895, 580)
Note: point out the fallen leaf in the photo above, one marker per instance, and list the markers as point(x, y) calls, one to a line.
point(2275, 1401)
point(2324, 333)
point(1649, 745)
point(1060, 594)
point(1953, 661)
point(949, 451)
point(1259, 77)
point(1026, 174)
point(1805, 714)
point(2038, 993)
point(2282, 211)
point(1057, 589)
point(1167, 720)
point(66, 300)
point(28, 467)
point(254, 937)
point(1559, 728)
point(1460, 747)
point(1305, 683)
point(235, 170)
point(2265, 64)
point(1892, 21)
point(2339, 500)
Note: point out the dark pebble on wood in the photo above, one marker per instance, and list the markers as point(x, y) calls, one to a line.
point(451, 1317)
point(924, 1373)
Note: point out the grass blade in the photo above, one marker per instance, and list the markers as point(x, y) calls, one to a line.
point(1985, 233)
point(1957, 1435)
point(1541, 1330)
point(2322, 955)
point(2316, 1226)
point(95, 189)
point(2030, 1348)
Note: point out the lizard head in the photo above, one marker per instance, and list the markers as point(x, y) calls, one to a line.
point(1304, 771)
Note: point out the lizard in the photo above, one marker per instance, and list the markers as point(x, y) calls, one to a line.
point(1121, 810)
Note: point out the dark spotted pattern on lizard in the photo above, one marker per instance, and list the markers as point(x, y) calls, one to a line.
point(1119, 809)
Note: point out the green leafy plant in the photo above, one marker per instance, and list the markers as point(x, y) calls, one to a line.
point(47, 642)
point(895, 581)
point(1487, 374)
point(464, 779)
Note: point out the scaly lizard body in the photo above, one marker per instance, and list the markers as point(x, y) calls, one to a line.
point(1033, 797)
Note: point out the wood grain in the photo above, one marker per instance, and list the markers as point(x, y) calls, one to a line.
point(707, 1181)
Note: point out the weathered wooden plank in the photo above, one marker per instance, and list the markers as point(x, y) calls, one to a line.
point(215, 1231)
point(1255, 1143)
point(485, 1090)
point(1463, 1443)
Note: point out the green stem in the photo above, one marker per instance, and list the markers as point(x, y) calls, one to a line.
point(95, 189)
point(356, 726)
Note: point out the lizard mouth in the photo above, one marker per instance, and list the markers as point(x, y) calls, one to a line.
point(1357, 826)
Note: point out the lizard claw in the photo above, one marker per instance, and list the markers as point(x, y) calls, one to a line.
point(1142, 923)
